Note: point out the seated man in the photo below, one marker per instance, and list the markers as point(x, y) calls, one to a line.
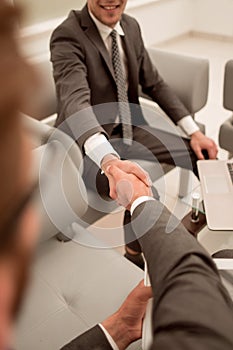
point(191, 307)
point(99, 60)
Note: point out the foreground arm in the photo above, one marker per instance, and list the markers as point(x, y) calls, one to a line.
point(125, 326)
point(192, 309)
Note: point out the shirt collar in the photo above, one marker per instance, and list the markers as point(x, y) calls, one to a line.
point(105, 30)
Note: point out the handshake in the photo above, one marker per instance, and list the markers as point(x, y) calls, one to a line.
point(127, 181)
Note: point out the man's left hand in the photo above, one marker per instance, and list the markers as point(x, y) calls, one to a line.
point(200, 142)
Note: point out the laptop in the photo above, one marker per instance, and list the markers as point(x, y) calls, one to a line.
point(216, 177)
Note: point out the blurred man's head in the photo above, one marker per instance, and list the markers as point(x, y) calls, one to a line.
point(107, 11)
point(18, 224)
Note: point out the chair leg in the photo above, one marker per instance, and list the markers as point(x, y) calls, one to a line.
point(184, 187)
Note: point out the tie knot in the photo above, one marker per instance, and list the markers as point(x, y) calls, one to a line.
point(113, 34)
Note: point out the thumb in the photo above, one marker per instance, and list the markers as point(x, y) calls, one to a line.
point(115, 172)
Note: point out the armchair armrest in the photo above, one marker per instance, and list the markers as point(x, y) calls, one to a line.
point(62, 198)
point(187, 76)
point(226, 135)
point(42, 133)
point(228, 86)
point(226, 129)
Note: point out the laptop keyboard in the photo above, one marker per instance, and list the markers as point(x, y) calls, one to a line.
point(230, 168)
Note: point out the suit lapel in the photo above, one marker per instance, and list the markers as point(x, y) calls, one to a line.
point(131, 56)
point(93, 34)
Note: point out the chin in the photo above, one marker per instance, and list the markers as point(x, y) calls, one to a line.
point(112, 21)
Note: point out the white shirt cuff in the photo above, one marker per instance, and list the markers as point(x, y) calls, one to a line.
point(97, 146)
point(138, 201)
point(109, 338)
point(188, 125)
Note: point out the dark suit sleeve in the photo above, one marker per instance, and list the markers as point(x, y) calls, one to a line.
point(72, 88)
point(93, 339)
point(192, 309)
point(154, 86)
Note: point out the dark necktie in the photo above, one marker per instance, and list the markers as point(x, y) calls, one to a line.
point(124, 110)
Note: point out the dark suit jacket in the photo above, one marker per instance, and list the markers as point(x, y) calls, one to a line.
point(84, 76)
point(192, 310)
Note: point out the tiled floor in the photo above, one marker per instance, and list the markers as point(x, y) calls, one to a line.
point(218, 52)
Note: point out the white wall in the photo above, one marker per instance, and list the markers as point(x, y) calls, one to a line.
point(160, 20)
point(43, 10)
point(214, 17)
point(163, 19)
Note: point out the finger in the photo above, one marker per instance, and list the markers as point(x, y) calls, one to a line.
point(112, 191)
point(112, 188)
point(125, 191)
point(198, 152)
point(112, 185)
point(120, 186)
point(114, 172)
point(212, 152)
point(130, 168)
point(141, 174)
point(143, 292)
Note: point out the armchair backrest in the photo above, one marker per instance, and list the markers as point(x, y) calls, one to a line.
point(187, 76)
point(228, 86)
point(45, 104)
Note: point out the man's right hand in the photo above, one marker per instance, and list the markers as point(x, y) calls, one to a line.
point(125, 326)
point(128, 187)
point(128, 168)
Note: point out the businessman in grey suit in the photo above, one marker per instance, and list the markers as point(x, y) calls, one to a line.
point(192, 309)
point(87, 84)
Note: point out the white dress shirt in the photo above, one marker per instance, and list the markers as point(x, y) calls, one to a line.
point(97, 146)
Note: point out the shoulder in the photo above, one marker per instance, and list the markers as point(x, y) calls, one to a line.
point(70, 25)
point(130, 26)
point(130, 22)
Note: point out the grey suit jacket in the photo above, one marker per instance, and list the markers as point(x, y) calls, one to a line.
point(84, 76)
point(93, 339)
point(192, 309)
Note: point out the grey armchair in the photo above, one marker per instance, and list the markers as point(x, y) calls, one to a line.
point(226, 129)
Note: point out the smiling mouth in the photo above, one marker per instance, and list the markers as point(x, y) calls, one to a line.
point(109, 7)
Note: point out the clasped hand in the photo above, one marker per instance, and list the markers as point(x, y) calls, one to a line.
point(127, 181)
